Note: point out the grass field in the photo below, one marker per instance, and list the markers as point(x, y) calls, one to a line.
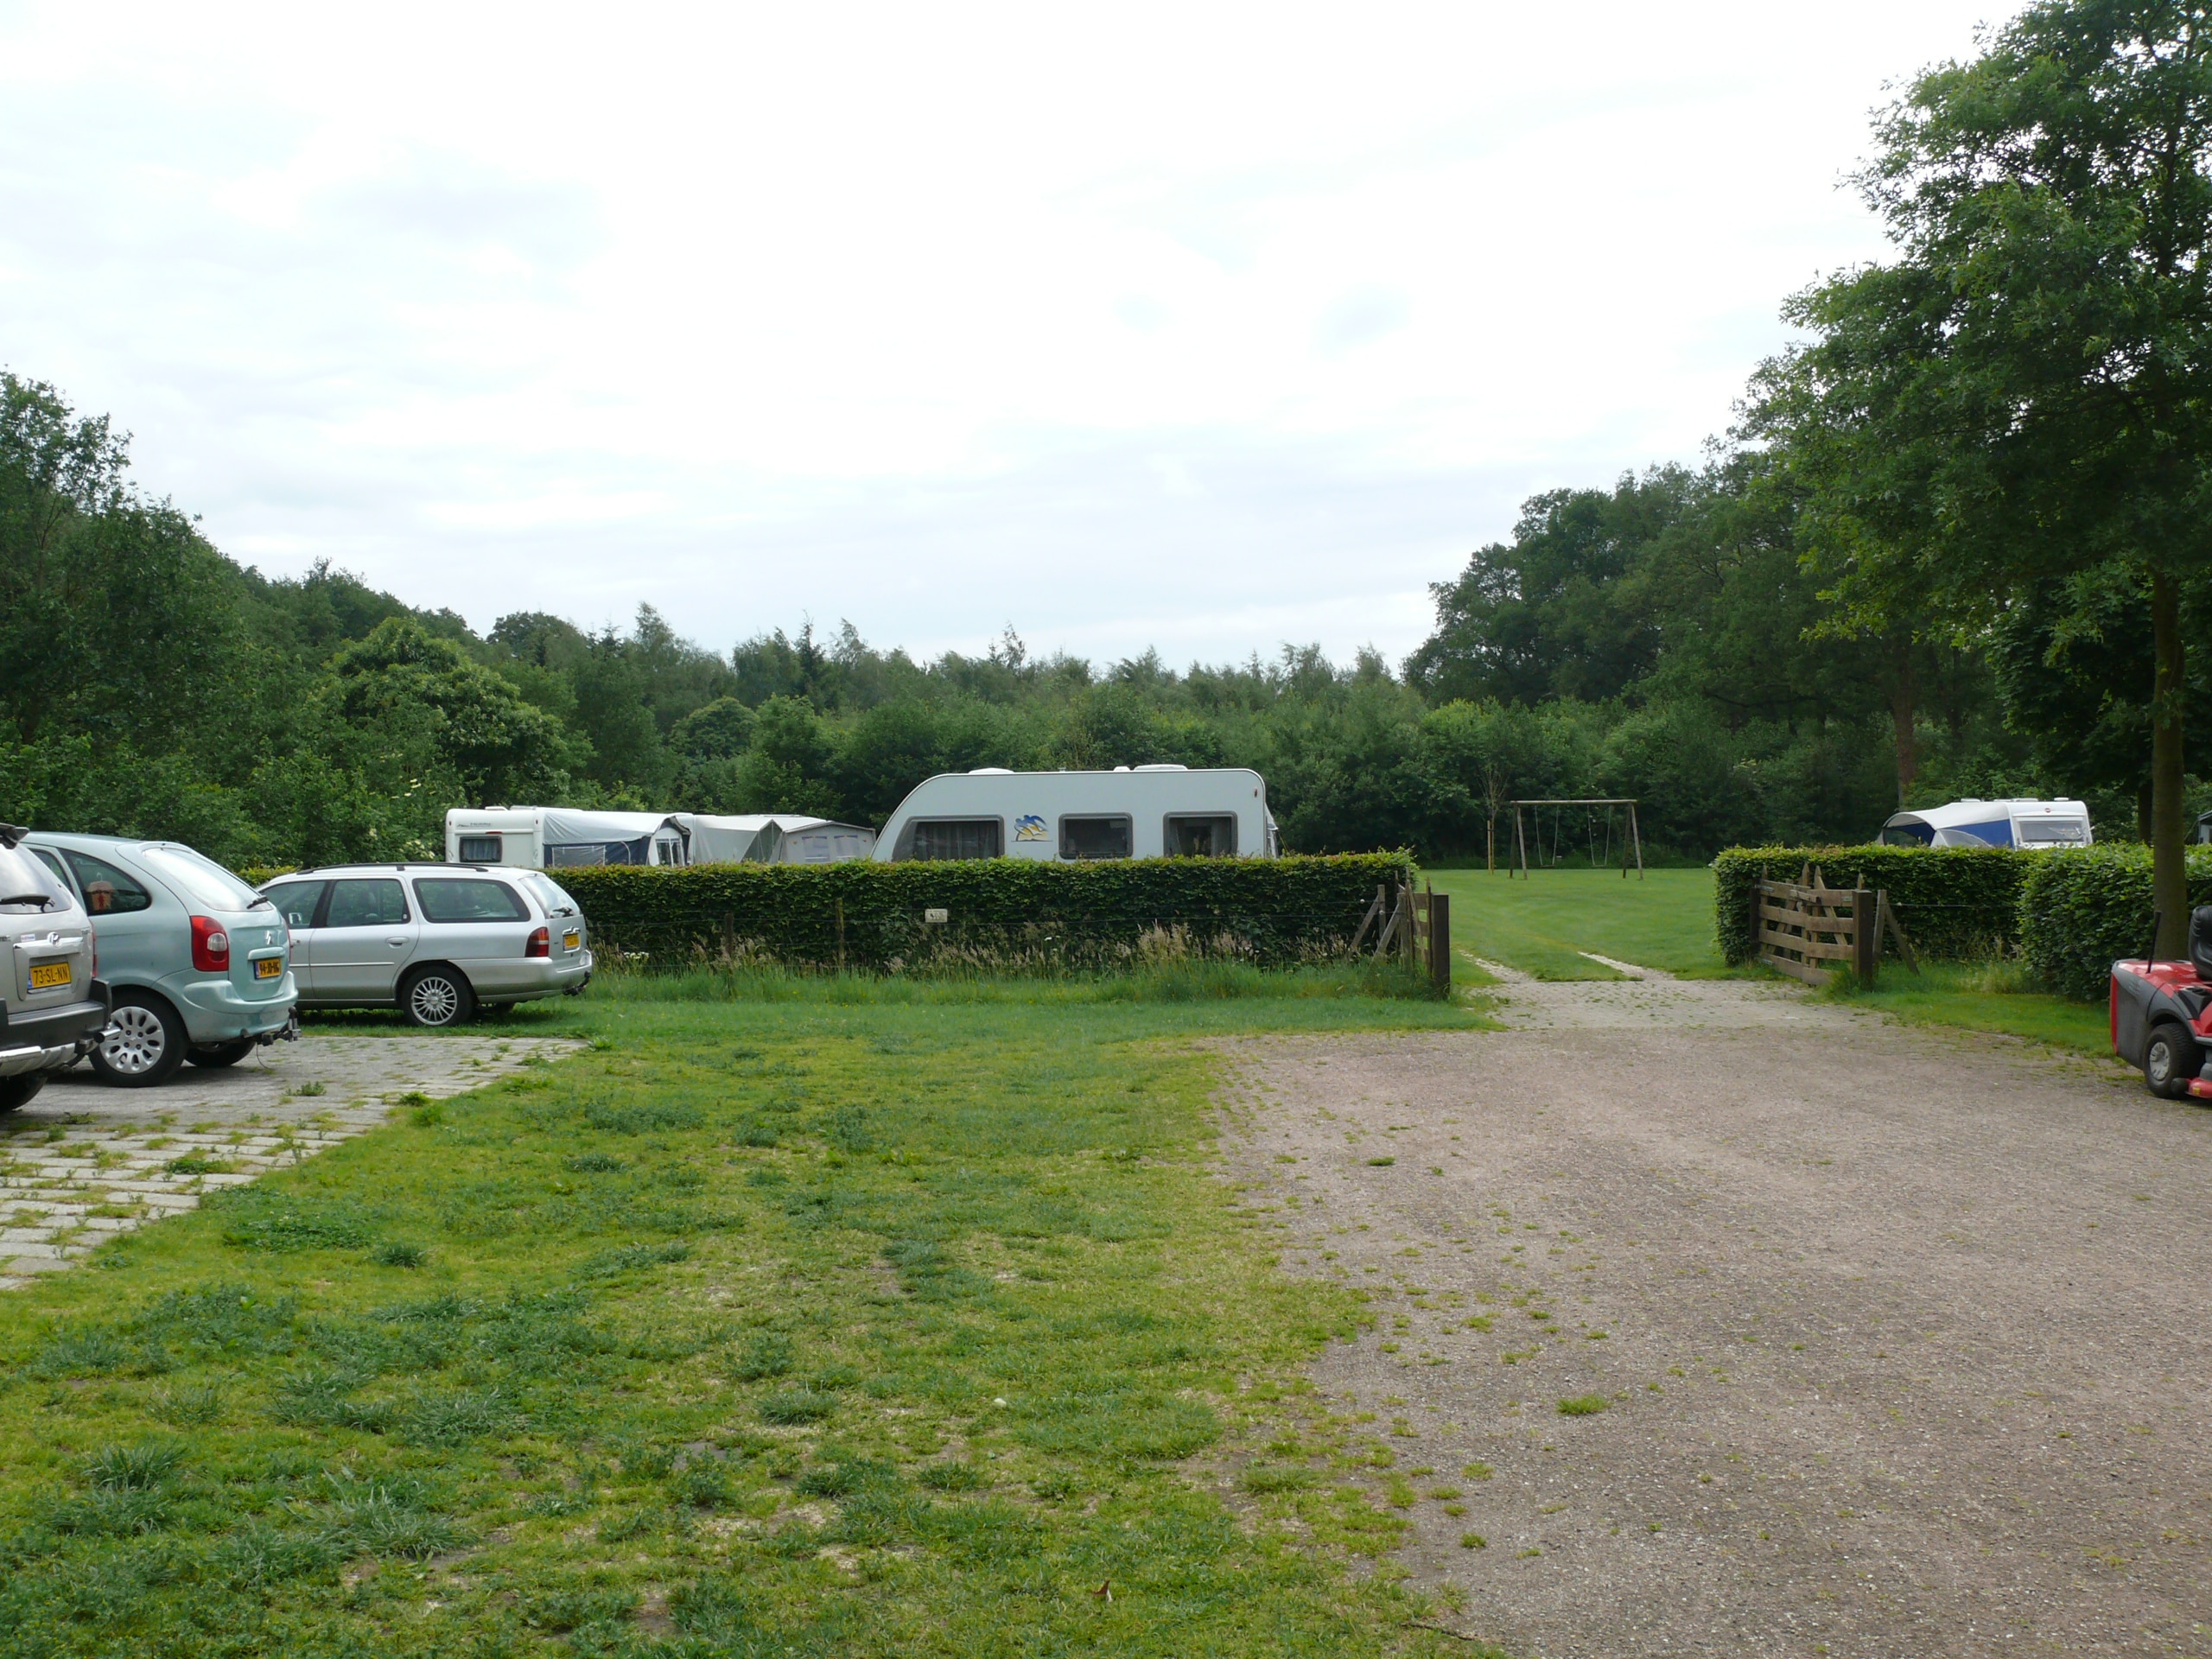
point(1984, 997)
point(1542, 924)
point(1665, 921)
point(872, 1320)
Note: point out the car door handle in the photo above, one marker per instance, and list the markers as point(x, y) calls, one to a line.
point(402, 940)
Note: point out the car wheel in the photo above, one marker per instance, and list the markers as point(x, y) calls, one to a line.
point(19, 1089)
point(145, 1042)
point(436, 997)
point(215, 1056)
point(2170, 1061)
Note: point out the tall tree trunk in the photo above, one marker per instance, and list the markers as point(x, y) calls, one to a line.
point(1903, 713)
point(2168, 874)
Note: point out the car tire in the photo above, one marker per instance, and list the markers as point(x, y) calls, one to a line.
point(19, 1089)
point(145, 1045)
point(2170, 1061)
point(437, 997)
point(215, 1056)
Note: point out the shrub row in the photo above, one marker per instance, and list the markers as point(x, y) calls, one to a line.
point(999, 912)
point(1953, 901)
point(2070, 914)
point(2081, 912)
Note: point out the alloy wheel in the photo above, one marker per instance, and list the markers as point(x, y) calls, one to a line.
point(136, 1042)
point(434, 1000)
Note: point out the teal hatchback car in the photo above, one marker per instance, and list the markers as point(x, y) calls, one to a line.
point(200, 963)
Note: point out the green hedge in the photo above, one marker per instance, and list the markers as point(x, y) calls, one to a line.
point(1001, 912)
point(1953, 901)
point(2081, 911)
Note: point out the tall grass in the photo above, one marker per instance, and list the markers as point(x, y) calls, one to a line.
point(1184, 979)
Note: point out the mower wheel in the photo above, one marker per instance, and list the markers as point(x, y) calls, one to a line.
point(2170, 1061)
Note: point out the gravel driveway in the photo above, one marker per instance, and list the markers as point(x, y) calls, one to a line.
point(1901, 1338)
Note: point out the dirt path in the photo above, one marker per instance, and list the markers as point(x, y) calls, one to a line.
point(1903, 1339)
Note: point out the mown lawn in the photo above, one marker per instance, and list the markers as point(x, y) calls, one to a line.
point(804, 1326)
point(1543, 924)
point(1980, 996)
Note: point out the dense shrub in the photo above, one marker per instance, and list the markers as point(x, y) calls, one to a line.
point(2081, 911)
point(1953, 901)
point(1004, 911)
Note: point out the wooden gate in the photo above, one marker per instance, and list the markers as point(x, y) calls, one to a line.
point(1807, 929)
point(1417, 925)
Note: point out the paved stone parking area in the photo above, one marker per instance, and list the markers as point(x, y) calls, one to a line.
point(84, 1161)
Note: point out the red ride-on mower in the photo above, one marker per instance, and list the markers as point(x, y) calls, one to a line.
point(2162, 1015)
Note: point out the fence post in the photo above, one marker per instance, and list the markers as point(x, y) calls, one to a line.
point(1439, 940)
point(1865, 934)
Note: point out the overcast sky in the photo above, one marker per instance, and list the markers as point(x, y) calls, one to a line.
point(1201, 326)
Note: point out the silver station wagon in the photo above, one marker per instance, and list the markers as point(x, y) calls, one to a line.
point(435, 941)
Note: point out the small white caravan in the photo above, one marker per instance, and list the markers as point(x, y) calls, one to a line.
point(1130, 812)
point(2033, 825)
point(555, 838)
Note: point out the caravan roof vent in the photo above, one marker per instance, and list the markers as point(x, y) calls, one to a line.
point(1165, 766)
point(990, 772)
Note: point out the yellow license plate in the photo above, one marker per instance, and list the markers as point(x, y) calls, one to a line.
point(45, 976)
point(571, 939)
point(269, 967)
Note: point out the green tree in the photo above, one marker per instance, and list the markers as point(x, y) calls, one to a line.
point(2023, 397)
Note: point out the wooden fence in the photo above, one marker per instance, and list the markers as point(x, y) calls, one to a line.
point(1416, 923)
point(1807, 929)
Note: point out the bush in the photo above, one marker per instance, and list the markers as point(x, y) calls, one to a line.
point(1003, 913)
point(2082, 911)
point(1953, 901)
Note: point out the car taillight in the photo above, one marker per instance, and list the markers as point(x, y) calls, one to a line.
point(211, 946)
point(541, 943)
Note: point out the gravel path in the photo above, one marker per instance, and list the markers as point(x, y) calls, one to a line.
point(84, 1161)
point(1901, 1337)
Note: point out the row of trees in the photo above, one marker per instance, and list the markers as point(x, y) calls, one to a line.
point(1956, 546)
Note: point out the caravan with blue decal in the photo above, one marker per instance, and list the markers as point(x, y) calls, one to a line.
point(2036, 825)
point(1157, 811)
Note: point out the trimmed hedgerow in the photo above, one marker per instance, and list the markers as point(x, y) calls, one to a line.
point(1274, 911)
point(1953, 901)
point(2081, 912)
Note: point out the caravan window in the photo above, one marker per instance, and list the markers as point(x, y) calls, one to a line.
point(1208, 835)
point(575, 854)
point(2033, 830)
point(1100, 837)
point(669, 850)
point(480, 850)
point(958, 838)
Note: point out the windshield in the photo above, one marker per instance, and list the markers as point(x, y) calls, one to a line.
point(24, 881)
point(549, 893)
point(201, 880)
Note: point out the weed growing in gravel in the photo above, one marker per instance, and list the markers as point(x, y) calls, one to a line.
point(1583, 1405)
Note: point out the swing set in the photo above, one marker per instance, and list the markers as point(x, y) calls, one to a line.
point(1631, 841)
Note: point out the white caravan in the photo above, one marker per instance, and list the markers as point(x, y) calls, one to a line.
point(1130, 812)
point(2032, 824)
point(555, 838)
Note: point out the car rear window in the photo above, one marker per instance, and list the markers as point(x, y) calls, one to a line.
point(201, 881)
point(450, 900)
point(552, 895)
point(24, 881)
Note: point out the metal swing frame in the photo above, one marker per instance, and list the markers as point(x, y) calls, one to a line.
point(1632, 843)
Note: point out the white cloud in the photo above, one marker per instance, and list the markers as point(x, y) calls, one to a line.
point(1197, 326)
